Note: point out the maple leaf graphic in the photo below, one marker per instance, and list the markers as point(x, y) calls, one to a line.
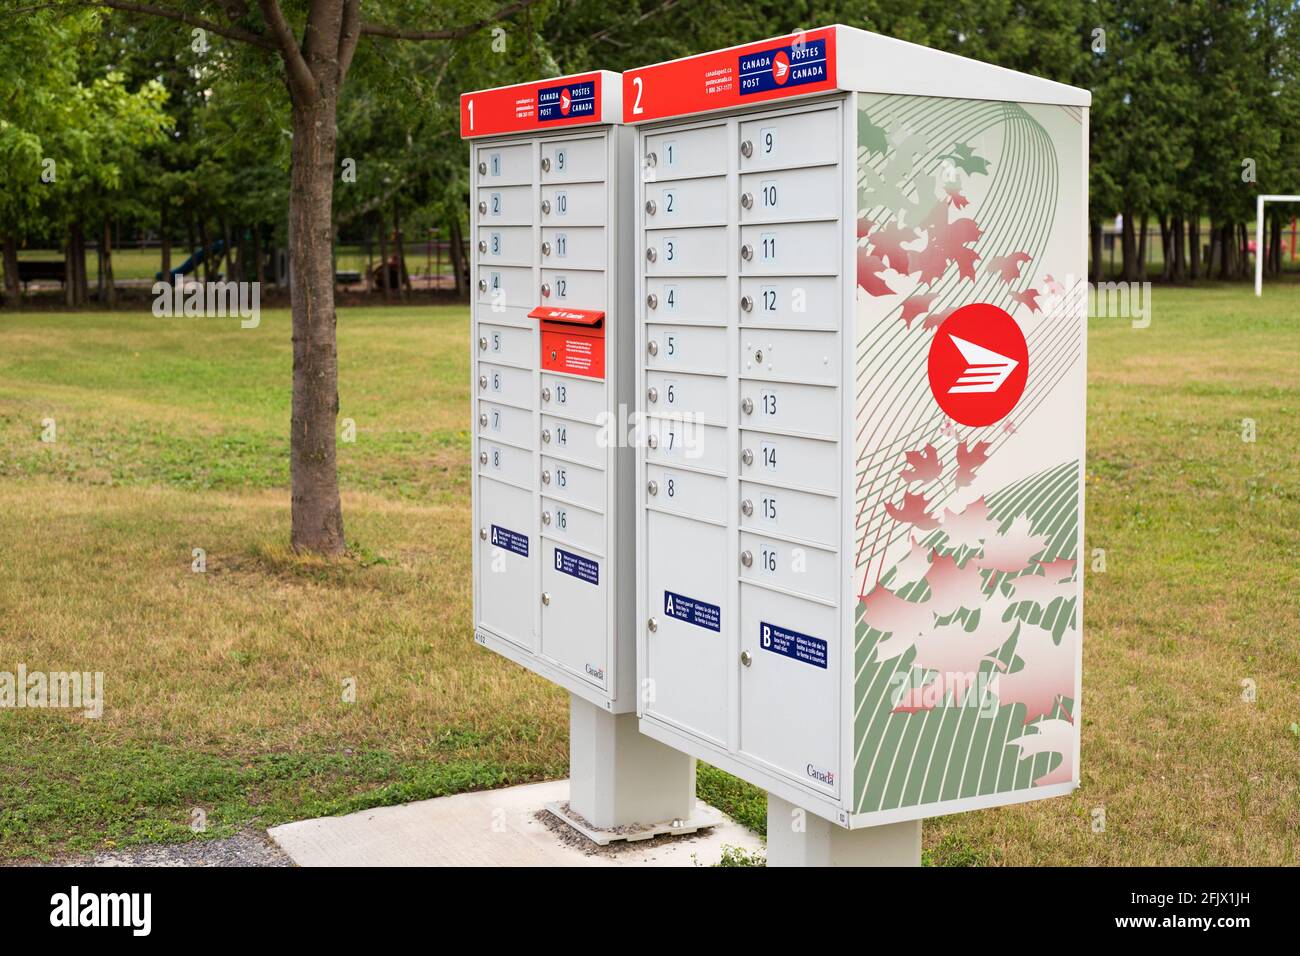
point(1047, 674)
point(915, 305)
point(913, 511)
point(865, 226)
point(1052, 736)
point(953, 587)
point(870, 136)
point(955, 197)
point(869, 269)
point(1056, 581)
point(1062, 569)
point(935, 319)
point(1029, 297)
point(887, 243)
point(968, 459)
point(923, 465)
point(1053, 287)
point(1011, 552)
point(899, 619)
point(970, 527)
point(964, 158)
point(915, 564)
point(1008, 267)
point(946, 242)
point(952, 650)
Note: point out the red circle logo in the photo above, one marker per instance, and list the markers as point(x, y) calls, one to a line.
point(780, 68)
point(978, 364)
point(565, 100)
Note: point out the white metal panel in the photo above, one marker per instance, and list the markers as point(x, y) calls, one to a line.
point(701, 397)
point(573, 160)
point(580, 247)
point(506, 554)
point(501, 383)
point(683, 154)
point(501, 423)
point(792, 139)
point(811, 301)
point(504, 287)
point(791, 194)
point(700, 251)
point(808, 409)
point(579, 288)
point(785, 459)
point(686, 492)
point(504, 165)
point(572, 397)
point(505, 462)
point(790, 513)
point(678, 203)
point(703, 300)
point(812, 357)
point(575, 441)
point(799, 248)
point(574, 585)
point(576, 525)
point(681, 441)
point(580, 204)
point(574, 483)
point(792, 566)
point(504, 206)
point(505, 245)
point(508, 345)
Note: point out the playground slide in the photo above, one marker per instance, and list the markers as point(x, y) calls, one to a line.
point(194, 261)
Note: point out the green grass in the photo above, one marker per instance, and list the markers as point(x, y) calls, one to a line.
point(224, 689)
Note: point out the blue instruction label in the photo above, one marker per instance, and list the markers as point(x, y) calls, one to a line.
point(699, 613)
point(791, 644)
point(510, 540)
point(584, 569)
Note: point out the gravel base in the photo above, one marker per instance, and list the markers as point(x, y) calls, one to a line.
point(571, 837)
point(246, 848)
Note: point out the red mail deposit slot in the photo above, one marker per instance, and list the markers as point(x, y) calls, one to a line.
point(573, 340)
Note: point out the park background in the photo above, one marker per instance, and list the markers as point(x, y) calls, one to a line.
point(225, 687)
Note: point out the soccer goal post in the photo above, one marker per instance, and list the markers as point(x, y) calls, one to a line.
point(1259, 236)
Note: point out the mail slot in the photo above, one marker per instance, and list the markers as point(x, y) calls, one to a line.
point(687, 202)
point(813, 410)
point(687, 299)
point(811, 301)
point(574, 160)
point(796, 139)
point(791, 356)
point(791, 248)
point(580, 247)
point(504, 206)
point(573, 340)
point(580, 204)
point(701, 251)
point(506, 164)
point(685, 154)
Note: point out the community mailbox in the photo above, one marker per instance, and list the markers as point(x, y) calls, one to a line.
point(861, 333)
point(552, 175)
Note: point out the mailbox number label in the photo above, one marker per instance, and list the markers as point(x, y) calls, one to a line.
point(561, 393)
point(768, 294)
point(767, 402)
point(561, 160)
point(769, 246)
point(561, 203)
point(561, 287)
point(670, 248)
point(670, 153)
point(769, 456)
point(767, 141)
point(494, 243)
point(670, 202)
point(562, 244)
point(670, 298)
point(768, 191)
point(494, 202)
point(494, 164)
point(769, 507)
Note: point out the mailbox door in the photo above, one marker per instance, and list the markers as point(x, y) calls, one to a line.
point(506, 561)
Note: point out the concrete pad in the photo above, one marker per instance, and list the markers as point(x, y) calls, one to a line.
point(507, 827)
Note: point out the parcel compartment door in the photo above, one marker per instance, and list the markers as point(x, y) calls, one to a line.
point(575, 621)
point(507, 548)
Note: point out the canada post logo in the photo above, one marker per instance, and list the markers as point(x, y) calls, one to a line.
point(783, 66)
point(566, 102)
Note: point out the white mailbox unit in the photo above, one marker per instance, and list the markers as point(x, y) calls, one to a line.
point(861, 331)
point(552, 176)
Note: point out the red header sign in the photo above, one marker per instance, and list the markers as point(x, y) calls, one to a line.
point(530, 107)
point(797, 65)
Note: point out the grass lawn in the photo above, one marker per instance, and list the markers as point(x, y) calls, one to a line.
point(225, 689)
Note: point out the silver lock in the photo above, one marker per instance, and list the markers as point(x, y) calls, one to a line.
point(546, 598)
point(747, 303)
point(482, 169)
point(746, 252)
point(746, 658)
point(546, 248)
point(747, 149)
point(652, 624)
point(482, 246)
point(747, 456)
point(546, 207)
point(482, 285)
point(747, 507)
point(546, 477)
point(482, 534)
point(546, 290)
point(483, 420)
point(546, 164)
point(758, 357)
point(482, 343)
point(747, 200)
point(651, 160)
point(546, 517)
point(747, 558)
point(650, 207)
point(482, 381)
point(482, 207)
point(652, 441)
point(652, 394)
point(482, 458)
point(652, 487)
point(652, 347)
point(546, 394)
point(652, 301)
point(546, 435)
point(747, 405)
point(651, 255)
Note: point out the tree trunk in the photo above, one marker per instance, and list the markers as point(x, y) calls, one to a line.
point(1142, 247)
point(1179, 237)
point(106, 265)
point(383, 260)
point(1194, 243)
point(462, 270)
point(403, 279)
point(259, 265)
point(1166, 253)
point(165, 238)
point(1128, 248)
point(206, 239)
point(228, 248)
point(317, 512)
point(13, 288)
point(1275, 245)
